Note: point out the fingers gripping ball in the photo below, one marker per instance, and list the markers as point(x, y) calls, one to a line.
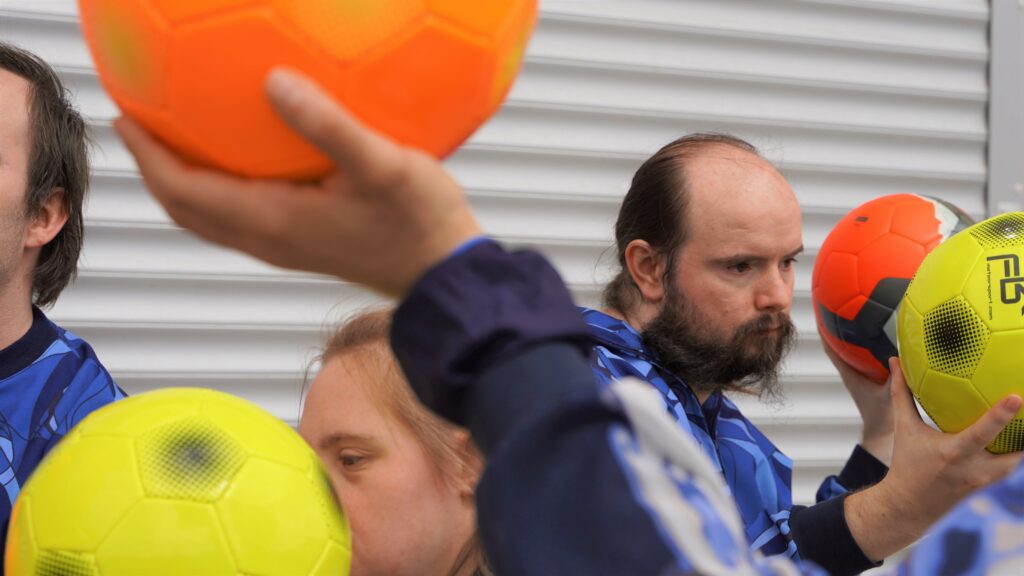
point(961, 327)
point(864, 267)
point(424, 72)
point(179, 481)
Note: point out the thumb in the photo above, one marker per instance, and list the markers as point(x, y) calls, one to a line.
point(902, 398)
point(991, 423)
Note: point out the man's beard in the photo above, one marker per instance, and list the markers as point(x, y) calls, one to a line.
point(750, 360)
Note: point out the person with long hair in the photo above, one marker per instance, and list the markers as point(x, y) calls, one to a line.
point(405, 477)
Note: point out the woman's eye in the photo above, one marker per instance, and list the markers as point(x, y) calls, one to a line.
point(352, 460)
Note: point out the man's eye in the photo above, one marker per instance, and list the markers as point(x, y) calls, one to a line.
point(740, 267)
point(788, 263)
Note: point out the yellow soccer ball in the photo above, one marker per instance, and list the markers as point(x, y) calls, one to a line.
point(179, 482)
point(961, 327)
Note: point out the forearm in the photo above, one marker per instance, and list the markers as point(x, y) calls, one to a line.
point(879, 446)
point(884, 521)
point(873, 404)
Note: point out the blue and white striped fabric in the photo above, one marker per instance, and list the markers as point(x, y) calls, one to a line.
point(680, 488)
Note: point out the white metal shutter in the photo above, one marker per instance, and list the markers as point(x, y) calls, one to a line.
point(853, 99)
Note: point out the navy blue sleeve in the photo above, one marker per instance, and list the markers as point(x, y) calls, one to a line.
point(862, 470)
point(588, 480)
point(821, 532)
point(549, 461)
point(491, 340)
point(823, 536)
point(473, 310)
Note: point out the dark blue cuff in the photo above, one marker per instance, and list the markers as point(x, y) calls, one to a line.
point(862, 470)
point(475, 309)
point(823, 537)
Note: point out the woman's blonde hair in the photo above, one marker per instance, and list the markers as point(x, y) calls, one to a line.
point(367, 334)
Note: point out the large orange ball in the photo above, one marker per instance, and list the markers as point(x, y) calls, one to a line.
point(424, 72)
point(864, 267)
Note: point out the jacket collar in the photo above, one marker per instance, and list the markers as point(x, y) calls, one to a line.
point(24, 351)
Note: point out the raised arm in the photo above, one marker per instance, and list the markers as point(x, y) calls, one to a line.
point(621, 492)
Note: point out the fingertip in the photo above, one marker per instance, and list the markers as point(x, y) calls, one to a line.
point(1012, 403)
point(281, 85)
point(894, 365)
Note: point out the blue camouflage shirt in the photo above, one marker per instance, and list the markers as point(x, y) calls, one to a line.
point(758, 473)
point(50, 380)
point(582, 479)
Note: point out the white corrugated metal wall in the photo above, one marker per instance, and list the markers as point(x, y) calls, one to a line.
point(853, 98)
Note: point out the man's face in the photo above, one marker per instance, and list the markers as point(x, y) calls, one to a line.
point(725, 316)
point(15, 144)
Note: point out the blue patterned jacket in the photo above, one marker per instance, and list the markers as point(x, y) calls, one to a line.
point(598, 480)
point(757, 472)
point(50, 379)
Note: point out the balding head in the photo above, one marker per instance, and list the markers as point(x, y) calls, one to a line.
point(690, 183)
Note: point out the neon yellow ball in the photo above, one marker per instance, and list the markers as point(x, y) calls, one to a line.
point(961, 327)
point(179, 481)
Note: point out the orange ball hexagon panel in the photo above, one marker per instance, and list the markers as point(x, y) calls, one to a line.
point(863, 269)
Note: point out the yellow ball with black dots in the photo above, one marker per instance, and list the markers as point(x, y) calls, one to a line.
point(961, 327)
point(179, 481)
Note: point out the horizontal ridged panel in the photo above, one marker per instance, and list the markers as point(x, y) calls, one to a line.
point(852, 99)
point(159, 248)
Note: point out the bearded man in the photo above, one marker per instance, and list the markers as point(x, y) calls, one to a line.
point(707, 238)
point(581, 480)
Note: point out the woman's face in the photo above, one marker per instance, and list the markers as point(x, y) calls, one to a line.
point(405, 518)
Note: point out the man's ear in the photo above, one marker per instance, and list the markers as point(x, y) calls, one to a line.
point(48, 221)
point(647, 267)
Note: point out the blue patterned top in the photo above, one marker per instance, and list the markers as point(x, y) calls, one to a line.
point(758, 473)
point(583, 479)
point(50, 380)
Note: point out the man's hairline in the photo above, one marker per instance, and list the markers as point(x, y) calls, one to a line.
point(684, 190)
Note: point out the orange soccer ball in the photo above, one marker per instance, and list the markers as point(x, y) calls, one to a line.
point(864, 267)
point(426, 73)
